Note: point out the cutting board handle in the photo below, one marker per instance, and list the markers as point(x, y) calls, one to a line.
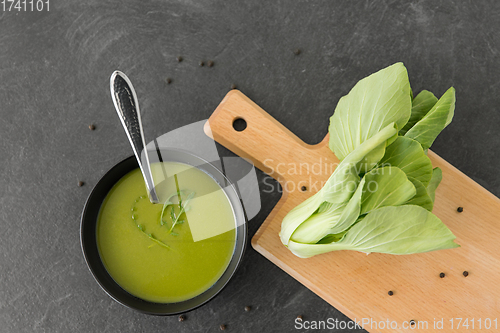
point(268, 144)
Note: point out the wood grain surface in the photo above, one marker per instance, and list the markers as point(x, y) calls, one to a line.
point(355, 283)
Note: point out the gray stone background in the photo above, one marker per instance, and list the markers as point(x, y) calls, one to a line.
point(54, 72)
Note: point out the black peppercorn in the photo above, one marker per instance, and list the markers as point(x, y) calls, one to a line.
point(92, 127)
point(460, 209)
point(412, 322)
point(182, 317)
point(297, 51)
point(441, 275)
point(390, 293)
point(202, 64)
point(80, 183)
point(169, 80)
point(299, 317)
point(247, 308)
point(210, 63)
point(179, 59)
point(222, 327)
point(303, 188)
point(233, 86)
point(465, 273)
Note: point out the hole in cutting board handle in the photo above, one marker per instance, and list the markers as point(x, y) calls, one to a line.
point(239, 124)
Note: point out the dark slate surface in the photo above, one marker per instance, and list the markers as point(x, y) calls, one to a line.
point(54, 71)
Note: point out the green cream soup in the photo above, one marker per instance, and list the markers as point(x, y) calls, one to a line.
point(168, 252)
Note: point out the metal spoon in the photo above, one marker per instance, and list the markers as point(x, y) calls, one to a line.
point(127, 107)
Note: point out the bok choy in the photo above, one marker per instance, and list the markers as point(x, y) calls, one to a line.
point(381, 195)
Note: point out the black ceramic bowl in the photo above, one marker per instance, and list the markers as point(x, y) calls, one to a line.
point(89, 241)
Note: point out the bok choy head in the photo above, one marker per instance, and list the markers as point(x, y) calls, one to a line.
point(380, 197)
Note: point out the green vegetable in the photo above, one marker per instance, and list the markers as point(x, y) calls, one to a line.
point(421, 198)
point(421, 105)
point(437, 176)
point(408, 155)
point(380, 196)
point(428, 128)
point(392, 188)
point(340, 186)
point(395, 230)
point(375, 102)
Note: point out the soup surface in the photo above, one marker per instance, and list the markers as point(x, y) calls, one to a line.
point(169, 252)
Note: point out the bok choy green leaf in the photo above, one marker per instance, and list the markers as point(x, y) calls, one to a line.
point(437, 176)
point(374, 102)
point(421, 198)
point(408, 155)
point(404, 229)
point(421, 105)
point(428, 128)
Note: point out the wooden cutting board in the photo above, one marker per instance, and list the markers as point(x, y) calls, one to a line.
point(355, 283)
